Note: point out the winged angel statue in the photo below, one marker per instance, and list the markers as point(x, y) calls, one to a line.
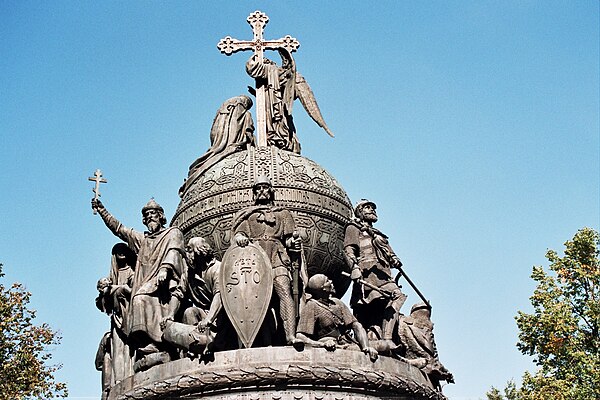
point(283, 85)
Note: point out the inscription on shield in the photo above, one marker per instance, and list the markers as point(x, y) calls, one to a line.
point(246, 285)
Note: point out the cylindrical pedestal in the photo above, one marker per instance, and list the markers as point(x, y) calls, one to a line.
point(279, 373)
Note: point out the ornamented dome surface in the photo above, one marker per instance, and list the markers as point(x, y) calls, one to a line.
point(320, 206)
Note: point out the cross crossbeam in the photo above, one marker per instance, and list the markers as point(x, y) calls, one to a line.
point(228, 45)
point(98, 179)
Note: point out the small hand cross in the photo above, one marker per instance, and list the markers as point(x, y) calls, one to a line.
point(98, 179)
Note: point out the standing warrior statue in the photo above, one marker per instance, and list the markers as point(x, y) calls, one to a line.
point(272, 228)
point(276, 86)
point(159, 267)
point(375, 294)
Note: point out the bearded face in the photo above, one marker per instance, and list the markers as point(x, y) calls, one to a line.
point(263, 193)
point(152, 220)
point(369, 214)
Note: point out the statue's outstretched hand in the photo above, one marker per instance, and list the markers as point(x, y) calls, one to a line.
point(165, 322)
point(204, 325)
point(97, 205)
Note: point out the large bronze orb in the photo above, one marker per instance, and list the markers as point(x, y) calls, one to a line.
point(320, 206)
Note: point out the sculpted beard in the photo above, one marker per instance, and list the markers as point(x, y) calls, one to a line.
point(153, 223)
point(263, 195)
point(370, 216)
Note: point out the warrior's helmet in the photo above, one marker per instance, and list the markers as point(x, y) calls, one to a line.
point(360, 205)
point(262, 180)
point(153, 205)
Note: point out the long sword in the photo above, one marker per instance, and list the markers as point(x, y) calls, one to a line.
point(384, 292)
point(400, 274)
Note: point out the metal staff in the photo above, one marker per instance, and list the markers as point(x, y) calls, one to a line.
point(384, 292)
point(298, 273)
point(410, 282)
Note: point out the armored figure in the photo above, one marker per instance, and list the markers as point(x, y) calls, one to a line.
point(376, 298)
point(114, 294)
point(272, 228)
point(326, 321)
point(158, 269)
point(416, 335)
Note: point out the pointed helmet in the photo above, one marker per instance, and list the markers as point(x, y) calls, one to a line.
point(152, 205)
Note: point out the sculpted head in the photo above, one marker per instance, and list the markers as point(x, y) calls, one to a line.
point(421, 315)
point(286, 58)
point(262, 190)
point(365, 211)
point(245, 101)
point(198, 250)
point(153, 216)
point(421, 310)
point(320, 286)
point(123, 254)
point(103, 284)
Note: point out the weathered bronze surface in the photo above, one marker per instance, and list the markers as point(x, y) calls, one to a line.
point(232, 130)
point(186, 325)
point(320, 206)
point(276, 86)
point(284, 374)
point(376, 298)
point(159, 267)
point(327, 322)
point(246, 287)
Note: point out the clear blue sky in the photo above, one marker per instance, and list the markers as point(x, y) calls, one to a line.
point(473, 125)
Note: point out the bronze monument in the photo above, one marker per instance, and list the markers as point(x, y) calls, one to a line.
point(250, 307)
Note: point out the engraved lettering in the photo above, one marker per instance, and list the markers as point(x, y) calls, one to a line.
point(256, 277)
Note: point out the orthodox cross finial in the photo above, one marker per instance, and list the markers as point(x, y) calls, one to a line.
point(98, 179)
point(229, 45)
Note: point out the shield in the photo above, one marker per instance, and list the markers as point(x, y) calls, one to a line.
point(246, 284)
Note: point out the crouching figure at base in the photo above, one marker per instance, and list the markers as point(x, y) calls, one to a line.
point(327, 322)
point(418, 345)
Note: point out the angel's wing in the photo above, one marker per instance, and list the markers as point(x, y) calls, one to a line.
point(307, 98)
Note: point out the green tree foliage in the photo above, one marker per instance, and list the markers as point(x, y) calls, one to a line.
point(563, 331)
point(510, 392)
point(24, 355)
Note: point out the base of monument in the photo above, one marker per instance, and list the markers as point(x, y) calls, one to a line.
point(279, 373)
